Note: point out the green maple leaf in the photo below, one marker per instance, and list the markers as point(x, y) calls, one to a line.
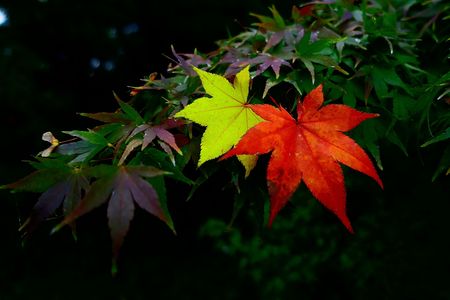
point(226, 115)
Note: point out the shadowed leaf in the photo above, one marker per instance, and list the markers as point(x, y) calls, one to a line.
point(38, 181)
point(122, 188)
point(107, 117)
point(67, 193)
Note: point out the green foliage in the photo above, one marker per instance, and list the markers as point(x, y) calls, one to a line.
point(293, 255)
point(379, 56)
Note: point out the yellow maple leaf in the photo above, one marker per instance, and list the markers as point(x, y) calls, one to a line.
point(226, 115)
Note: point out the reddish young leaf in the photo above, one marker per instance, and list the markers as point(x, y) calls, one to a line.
point(183, 63)
point(165, 138)
point(264, 61)
point(160, 131)
point(308, 149)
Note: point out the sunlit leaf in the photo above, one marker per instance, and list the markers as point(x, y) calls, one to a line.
point(225, 114)
point(308, 149)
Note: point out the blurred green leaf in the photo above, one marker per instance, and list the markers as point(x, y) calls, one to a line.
point(439, 138)
point(443, 165)
point(89, 136)
point(160, 159)
point(130, 111)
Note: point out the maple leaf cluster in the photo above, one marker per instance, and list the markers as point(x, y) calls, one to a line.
point(307, 149)
point(154, 137)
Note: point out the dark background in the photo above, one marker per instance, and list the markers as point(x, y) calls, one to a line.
point(58, 58)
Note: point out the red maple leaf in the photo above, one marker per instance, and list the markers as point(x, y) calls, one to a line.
point(308, 149)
